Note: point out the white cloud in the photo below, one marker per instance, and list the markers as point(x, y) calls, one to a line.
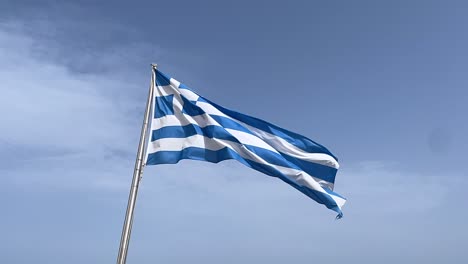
point(47, 105)
point(54, 115)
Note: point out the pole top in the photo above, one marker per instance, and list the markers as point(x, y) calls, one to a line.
point(154, 65)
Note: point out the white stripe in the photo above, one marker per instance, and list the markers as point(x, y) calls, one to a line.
point(191, 96)
point(210, 109)
point(199, 141)
point(178, 144)
point(339, 201)
point(180, 119)
point(165, 90)
point(249, 139)
point(174, 83)
point(177, 103)
point(277, 142)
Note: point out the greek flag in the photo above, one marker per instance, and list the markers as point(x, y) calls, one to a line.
point(185, 125)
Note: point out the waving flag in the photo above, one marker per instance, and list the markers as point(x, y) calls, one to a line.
point(185, 125)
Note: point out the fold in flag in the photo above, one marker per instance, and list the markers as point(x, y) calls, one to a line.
point(185, 125)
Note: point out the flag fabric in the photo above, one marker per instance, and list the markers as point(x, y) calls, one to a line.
point(185, 125)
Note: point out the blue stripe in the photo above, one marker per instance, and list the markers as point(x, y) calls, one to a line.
point(172, 157)
point(317, 170)
point(190, 108)
point(162, 79)
point(164, 106)
point(295, 139)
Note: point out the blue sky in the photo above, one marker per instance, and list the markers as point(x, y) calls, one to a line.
point(381, 84)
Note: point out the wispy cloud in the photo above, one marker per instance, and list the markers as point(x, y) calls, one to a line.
point(54, 114)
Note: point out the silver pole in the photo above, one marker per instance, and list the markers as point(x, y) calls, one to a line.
point(138, 172)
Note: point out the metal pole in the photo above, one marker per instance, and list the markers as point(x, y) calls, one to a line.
point(138, 172)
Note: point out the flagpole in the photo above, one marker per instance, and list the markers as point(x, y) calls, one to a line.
point(137, 174)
